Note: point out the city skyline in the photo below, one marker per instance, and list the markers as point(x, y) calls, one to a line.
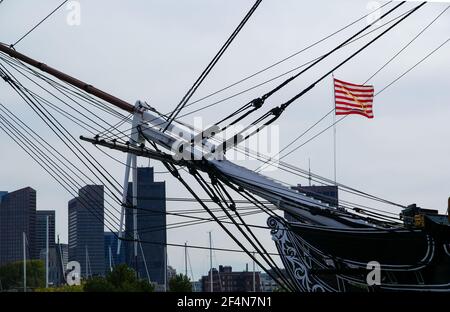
point(92, 196)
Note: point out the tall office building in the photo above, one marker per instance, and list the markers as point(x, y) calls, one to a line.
point(17, 216)
point(111, 257)
point(2, 193)
point(151, 224)
point(41, 229)
point(86, 234)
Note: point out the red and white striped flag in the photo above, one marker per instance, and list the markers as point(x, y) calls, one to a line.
point(351, 98)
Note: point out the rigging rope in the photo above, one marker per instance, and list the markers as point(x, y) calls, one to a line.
point(208, 190)
point(288, 57)
point(373, 75)
point(407, 45)
point(277, 111)
point(210, 66)
point(257, 103)
point(60, 179)
point(33, 104)
point(38, 24)
point(117, 160)
point(125, 133)
point(379, 92)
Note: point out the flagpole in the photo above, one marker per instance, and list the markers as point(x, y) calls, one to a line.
point(334, 130)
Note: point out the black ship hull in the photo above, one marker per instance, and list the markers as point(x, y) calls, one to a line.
point(320, 258)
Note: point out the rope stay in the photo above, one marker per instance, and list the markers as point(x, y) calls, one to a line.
point(38, 24)
point(367, 80)
point(210, 66)
point(276, 112)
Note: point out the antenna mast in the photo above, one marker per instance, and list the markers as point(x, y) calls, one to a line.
point(185, 259)
point(46, 252)
point(24, 263)
point(210, 262)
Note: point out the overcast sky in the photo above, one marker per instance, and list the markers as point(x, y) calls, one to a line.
point(154, 50)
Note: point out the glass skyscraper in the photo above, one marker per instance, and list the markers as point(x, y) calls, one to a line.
point(151, 224)
point(111, 257)
point(17, 215)
point(86, 230)
point(41, 228)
